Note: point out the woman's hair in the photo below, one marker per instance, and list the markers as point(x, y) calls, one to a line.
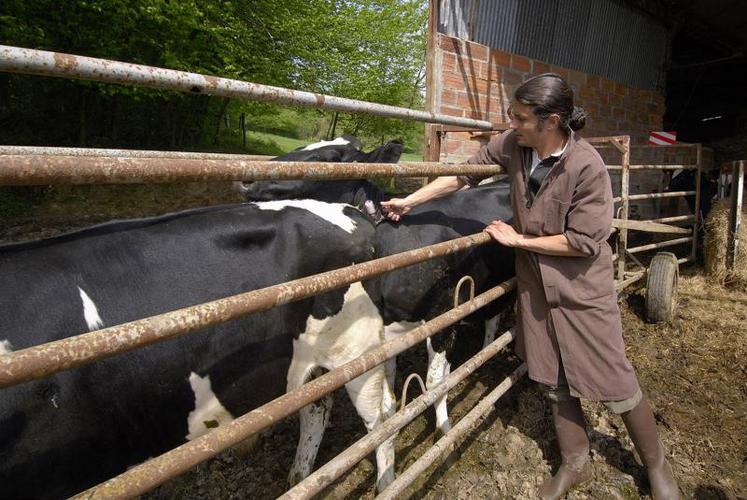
point(549, 94)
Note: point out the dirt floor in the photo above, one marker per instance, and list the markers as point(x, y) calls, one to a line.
point(694, 370)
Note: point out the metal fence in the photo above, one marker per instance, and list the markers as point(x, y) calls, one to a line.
point(29, 166)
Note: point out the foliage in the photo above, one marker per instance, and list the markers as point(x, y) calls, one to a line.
point(365, 49)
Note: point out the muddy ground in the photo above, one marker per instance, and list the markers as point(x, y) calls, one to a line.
point(694, 370)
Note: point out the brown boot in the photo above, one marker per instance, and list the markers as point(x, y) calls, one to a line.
point(642, 430)
point(568, 418)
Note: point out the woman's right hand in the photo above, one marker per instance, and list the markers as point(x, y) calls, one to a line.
point(395, 208)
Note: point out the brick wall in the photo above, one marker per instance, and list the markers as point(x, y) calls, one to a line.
point(475, 81)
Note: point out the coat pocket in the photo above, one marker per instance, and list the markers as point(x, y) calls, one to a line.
point(555, 214)
point(599, 280)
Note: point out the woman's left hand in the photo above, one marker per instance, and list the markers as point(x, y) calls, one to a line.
point(503, 233)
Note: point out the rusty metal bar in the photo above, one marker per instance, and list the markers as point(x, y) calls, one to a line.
point(55, 64)
point(662, 244)
point(652, 196)
point(677, 218)
point(628, 280)
point(735, 213)
point(450, 441)
point(333, 469)
point(654, 167)
point(128, 153)
point(43, 360)
point(156, 471)
point(685, 260)
point(19, 170)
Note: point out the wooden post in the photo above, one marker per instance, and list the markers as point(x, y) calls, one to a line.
point(432, 138)
point(622, 245)
point(735, 219)
point(697, 222)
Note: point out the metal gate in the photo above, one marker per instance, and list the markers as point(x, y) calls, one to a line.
point(30, 166)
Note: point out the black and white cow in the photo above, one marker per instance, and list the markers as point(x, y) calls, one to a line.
point(72, 430)
point(407, 297)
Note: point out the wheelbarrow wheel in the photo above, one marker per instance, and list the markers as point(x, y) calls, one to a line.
point(661, 288)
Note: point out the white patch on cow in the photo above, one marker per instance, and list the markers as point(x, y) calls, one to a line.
point(438, 369)
point(331, 212)
point(209, 412)
point(328, 343)
point(90, 312)
point(491, 327)
point(337, 142)
point(6, 347)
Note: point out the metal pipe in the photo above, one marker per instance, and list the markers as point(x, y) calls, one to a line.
point(626, 282)
point(652, 196)
point(156, 471)
point(684, 260)
point(44, 360)
point(677, 218)
point(128, 153)
point(449, 442)
point(20, 170)
point(44, 63)
point(663, 244)
point(336, 467)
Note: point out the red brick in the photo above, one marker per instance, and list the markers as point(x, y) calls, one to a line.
point(471, 101)
point(591, 109)
point(618, 113)
point(449, 98)
point(448, 62)
point(561, 71)
point(500, 58)
point(607, 85)
point(587, 92)
point(593, 81)
point(616, 100)
point(446, 110)
point(577, 78)
point(453, 147)
point(477, 51)
point(621, 90)
point(449, 44)
point(475, 114)
point(454, 82)
point(540, 67)
point(521, 63)
point(492, 71)
point(511, 77)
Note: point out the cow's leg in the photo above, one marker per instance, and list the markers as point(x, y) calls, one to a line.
point(491, 327)
point(314, 417)
point(438, 369)
point(373, 399)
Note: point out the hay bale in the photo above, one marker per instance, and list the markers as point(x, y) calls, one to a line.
point(716, 241)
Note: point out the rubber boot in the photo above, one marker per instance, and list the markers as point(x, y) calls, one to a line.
point(642, 430)
point(568, 418)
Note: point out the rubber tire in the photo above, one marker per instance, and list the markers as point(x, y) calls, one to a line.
point(661, 288)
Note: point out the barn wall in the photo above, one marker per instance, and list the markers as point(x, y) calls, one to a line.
point(475, 81)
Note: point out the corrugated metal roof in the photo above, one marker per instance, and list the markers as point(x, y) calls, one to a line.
point(601, 37)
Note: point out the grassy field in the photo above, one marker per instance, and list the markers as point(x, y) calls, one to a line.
point(273, 144)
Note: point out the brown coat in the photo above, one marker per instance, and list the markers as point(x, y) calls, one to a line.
point(567, 305)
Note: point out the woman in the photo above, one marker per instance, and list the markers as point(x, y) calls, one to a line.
point(569, 330)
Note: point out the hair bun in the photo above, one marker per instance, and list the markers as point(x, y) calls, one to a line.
point(578, 118)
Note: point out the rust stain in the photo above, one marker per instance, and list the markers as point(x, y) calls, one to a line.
point(319, 100)
point(65, 62)
point(212, 81)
